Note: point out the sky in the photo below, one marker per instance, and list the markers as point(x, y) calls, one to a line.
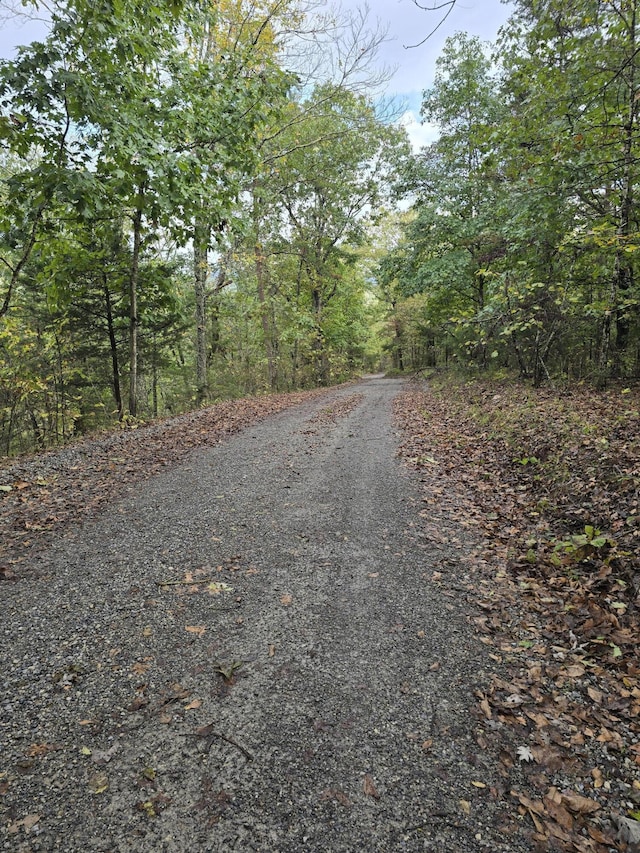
point(415, 66)
point(407, 25)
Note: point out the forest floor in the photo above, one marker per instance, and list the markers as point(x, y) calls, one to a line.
point(548, 482)
point(252, 628)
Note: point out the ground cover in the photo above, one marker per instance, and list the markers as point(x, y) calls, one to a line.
point(548, 482)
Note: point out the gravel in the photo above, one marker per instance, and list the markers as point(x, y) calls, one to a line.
point(250, 654)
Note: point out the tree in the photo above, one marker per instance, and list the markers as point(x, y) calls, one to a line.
point(453, 235)
point(585, 152)
point(319, 187)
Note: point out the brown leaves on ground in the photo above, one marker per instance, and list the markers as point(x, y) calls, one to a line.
point(547, 485)
point(330, 415)
point(40, 496)
point(369, 787)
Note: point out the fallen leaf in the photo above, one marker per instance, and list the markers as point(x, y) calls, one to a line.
point(368, 786)
point(478, 784)
point(574, 671)
point(485, 707)
point(36, 750)
point(272, 650)
point(98, 783)
point(465, 807)
point(193, 705)
point(286, 599)
point(524, 753)
point(195, 629)
point(333, 794)
point(579, 804)
point(553, 802)
point(373, 575)
point(217, 588)
point(27, 823)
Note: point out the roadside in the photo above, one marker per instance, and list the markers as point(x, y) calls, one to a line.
point(549, 486)
point(41, 495)
point(256, 649)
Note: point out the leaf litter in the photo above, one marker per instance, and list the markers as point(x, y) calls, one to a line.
point(547, 484)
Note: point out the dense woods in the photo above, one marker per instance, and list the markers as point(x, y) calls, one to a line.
point(522, 243)
point(206, 199)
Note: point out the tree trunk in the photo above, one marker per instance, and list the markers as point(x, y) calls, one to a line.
point(321, 363)
point(115, 367)
point(201, 240)
point(624, 267)
point(133, 305)
point(267, 326)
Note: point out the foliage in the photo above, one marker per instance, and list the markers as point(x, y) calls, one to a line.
point(525, 216)
point(132, 135)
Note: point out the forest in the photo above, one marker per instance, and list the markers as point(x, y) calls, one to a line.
point(204, 200)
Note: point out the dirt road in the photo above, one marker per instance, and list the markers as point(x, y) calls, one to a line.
point(249, 655)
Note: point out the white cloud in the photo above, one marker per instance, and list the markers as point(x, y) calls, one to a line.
point(419, 134)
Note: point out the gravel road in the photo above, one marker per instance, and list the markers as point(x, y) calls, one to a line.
point(250, 654)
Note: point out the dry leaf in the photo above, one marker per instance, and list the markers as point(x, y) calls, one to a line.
point(339, 796)
point(369, 787)
point(579, 804)
point(478, 784)
point(286, 599)
point(486, 708)
point(595, 695)
point(575, 671)
point(195, 629)
point(272, 650)
point(555, 807)
point(98, 783)
point(465, 806)
point(196, 703)
point(216, 588)
point(27, 822)
point(524, 754)
point(36, 750)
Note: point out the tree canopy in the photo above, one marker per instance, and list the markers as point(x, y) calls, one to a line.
point(200, 200)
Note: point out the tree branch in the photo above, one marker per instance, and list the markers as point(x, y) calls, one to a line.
point(448, 5)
